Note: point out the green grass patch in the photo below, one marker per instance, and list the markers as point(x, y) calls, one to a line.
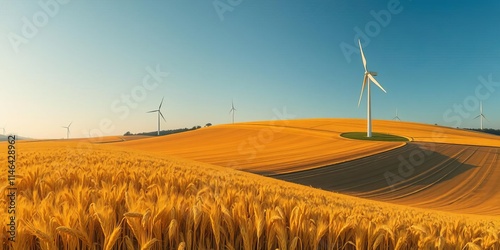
point(375, 136)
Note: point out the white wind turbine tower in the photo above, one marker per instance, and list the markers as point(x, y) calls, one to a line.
point(67, 130)
point(3, 128)
point(481, 115)
point(369, 75)
point(232, 110)
point(396, 117)
point(159, 114)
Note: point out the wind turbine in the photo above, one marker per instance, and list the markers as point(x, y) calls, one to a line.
point(481, 116)
point(369, 75)
point(67, 130)
point(396, 117)
point(232, 109)
point(159, 114)
point(3, 128)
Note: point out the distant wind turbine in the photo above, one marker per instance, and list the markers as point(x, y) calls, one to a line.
point(369, 75)
point(481, 115)
point(3, 130)
point(396, 117)
point(232, 110)
point(67, 130)
point(159, 114)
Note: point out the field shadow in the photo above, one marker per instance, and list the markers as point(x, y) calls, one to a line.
point(410, 167)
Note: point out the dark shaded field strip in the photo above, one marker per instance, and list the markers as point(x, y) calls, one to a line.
point(440, 176)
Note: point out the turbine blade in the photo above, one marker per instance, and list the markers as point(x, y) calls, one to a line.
point(162, 116)
point(485, 117)
point(362, 89)
point(477, 116)
point(375, 81)
point(161, 103)
point(152, 111)
point(70, 124)
point(362, 55)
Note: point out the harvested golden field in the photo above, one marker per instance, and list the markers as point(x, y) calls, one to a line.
point(415, 131)
point(75, 196)
point(260, 148)
point(294, 145)
point(102, 139)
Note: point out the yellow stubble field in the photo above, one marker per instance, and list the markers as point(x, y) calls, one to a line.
point(293, 145)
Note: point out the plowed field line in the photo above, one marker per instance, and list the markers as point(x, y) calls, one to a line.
point(443, 176)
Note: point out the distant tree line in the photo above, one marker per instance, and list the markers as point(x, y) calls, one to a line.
point(165, 132)
point(486, 130)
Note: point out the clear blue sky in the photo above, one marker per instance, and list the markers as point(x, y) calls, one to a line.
point(73, 61)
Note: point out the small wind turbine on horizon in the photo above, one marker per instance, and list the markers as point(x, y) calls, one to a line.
point(396, 117)
point(232, 109)
point(67, 130)
point(369, 75)
point(481, 115)
point(3, 128)
point(159, 114)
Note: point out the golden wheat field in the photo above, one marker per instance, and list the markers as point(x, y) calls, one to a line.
point(177, 192)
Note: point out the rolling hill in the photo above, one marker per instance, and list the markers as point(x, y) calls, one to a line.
point(441, 168)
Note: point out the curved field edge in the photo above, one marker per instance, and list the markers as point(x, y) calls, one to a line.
point(285, 146)
point(418, 132)
point(78, 198)
point(374, 137)
point(458, 178)
point(262, 148)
